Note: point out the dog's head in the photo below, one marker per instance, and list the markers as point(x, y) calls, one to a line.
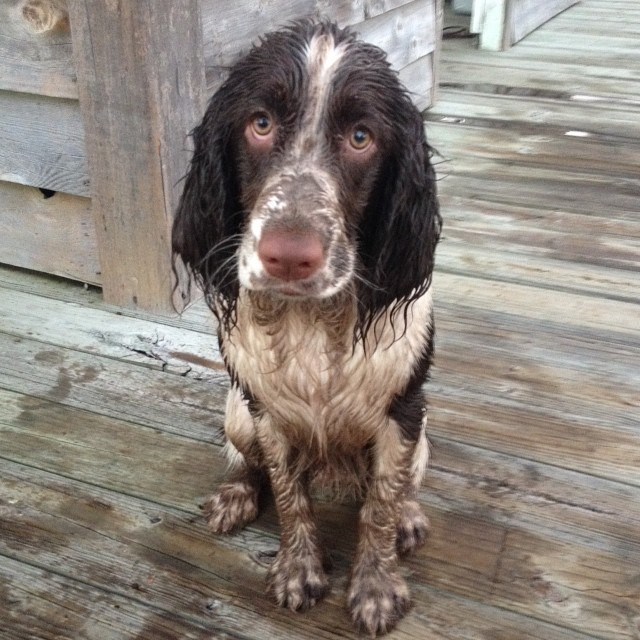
point(310, 176)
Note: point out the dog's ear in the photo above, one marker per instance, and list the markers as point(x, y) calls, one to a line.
point(401, 227)
point(208, 219)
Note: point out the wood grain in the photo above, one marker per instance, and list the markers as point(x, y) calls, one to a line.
point(179, 404)
point(54, 234)
point(222, 585)
point(42, 143)
point(419, 75)
point(536, 111)
point(96, 332)
point(405, 29)
point(525, 16)
point(38, 63)
point(109, 416)
point(141, 78)
point(536, 570)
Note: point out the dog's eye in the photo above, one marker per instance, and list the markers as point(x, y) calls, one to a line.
point(262, 124)
point(360, 139)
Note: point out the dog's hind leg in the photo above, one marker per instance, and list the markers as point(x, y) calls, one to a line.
point(235, 504)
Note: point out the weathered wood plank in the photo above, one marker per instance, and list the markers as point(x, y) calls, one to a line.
point(78, 449)
point(170, 564)
point(39, 604)
point(539, 147)
point(33, 61)
point(534, 111)
point(481, 213)
point(53, 234)
point(531, 495)
point(540, 189)
point(521, 67)
point(108, 452)
point(141, 77)
point(467, 253)
point(103, 385)
point(595, 263)
point(419, 75)
point(407, 33)
point(559, 309)
point(612, 454)
point(95, 331)
point(627, 26)
point(197, 317)
point(614, 6)
point(378, 22)
point(42, 143)
point(537, 366)
point(524, 16)
point(588, 64)
point(600, 46)
point(406, 30)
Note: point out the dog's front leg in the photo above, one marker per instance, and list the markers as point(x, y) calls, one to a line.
point(378, 596)
point(297, 578)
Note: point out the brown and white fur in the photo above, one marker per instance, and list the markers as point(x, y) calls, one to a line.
point(309, 218)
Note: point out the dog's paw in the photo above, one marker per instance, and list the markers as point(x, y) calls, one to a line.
point(232, 507)
point(412, 529)
point(377, 600)
point(297, 581)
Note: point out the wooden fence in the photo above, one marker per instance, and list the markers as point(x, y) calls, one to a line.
point(96, 101)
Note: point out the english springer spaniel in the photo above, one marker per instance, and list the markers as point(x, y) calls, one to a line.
point(309, 218)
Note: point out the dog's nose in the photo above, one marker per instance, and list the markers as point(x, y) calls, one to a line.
point(290, 256)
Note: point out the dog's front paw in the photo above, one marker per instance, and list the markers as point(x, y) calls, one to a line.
point(377, 600)
point(232, 507)
point(297, 581)
point(412, 529)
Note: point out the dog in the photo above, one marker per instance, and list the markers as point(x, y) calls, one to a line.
point(309, 218)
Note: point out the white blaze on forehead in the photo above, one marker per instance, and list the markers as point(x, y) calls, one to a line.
point(323, 59)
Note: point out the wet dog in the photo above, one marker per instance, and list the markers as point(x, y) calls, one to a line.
point(309, 218)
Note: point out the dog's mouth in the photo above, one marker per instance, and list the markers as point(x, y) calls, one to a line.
point(320, 286)
point(289, 292)
point(312, 288)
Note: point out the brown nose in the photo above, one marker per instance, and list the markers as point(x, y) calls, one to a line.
point(290, 256)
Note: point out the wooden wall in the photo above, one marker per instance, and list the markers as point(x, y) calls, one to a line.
point(405, 29)
point(502, 23)
point(42, 146)
point(524, 16)
point(102, 124)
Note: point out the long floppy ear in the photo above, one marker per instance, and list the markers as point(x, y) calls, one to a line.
point(207, 223)
point(401, 227)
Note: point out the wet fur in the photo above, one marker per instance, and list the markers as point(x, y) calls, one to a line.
point(326, 387)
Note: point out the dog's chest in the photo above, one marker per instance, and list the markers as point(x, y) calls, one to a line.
point(312, 381)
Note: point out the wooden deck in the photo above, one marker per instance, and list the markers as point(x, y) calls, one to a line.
point(108, 421)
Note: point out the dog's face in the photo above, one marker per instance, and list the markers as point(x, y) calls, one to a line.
point(310, 174)
point(309, 149)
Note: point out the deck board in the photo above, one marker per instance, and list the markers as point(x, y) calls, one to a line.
point(110, 418)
